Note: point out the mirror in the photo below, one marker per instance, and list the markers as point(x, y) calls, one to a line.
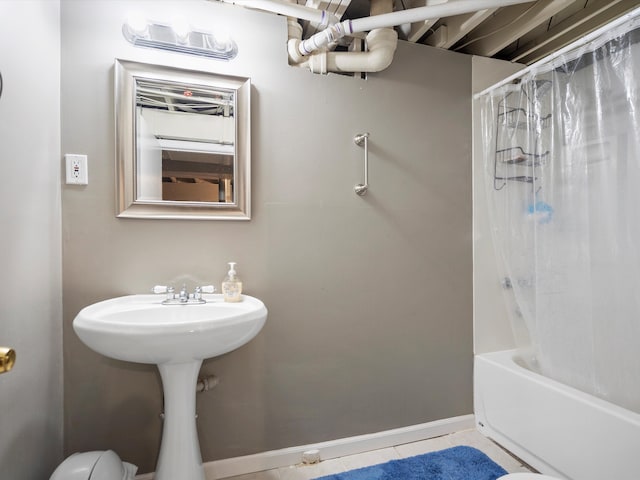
point(182, 143)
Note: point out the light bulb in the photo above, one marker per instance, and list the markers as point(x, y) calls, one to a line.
point(182, 29)
point(222, 41)
point(137, 24)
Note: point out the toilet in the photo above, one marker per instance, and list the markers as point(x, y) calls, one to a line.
point(94, 466)
point(526, 476)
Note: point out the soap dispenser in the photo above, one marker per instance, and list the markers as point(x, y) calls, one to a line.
point(231, 285)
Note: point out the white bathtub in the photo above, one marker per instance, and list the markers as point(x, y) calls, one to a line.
point(556, 429)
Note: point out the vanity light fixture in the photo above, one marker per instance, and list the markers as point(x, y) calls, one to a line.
point(179, 38)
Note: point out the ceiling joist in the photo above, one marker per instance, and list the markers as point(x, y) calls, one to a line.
point(508, 24)
point(594, 15)
point(455, 28)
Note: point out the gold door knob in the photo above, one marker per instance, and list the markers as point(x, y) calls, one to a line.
point(7, 359)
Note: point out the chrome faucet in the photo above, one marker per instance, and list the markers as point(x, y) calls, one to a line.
point(184, 297)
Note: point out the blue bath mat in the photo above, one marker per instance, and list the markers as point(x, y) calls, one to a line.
point(457, 463)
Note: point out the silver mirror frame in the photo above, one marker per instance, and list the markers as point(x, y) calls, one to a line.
point(126, 73)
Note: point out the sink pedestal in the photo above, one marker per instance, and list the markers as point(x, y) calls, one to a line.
point(180, 450)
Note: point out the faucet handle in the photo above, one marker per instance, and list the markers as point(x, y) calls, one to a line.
point(164, 289)
point(203, 289)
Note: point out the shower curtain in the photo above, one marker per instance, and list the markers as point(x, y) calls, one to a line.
point(562, 164)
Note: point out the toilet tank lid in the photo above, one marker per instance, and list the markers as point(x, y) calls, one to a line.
point(108, 466)
point(97, 465)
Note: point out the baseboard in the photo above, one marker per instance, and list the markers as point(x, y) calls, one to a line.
point(258, 462)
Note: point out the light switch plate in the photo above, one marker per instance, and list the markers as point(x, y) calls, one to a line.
point(76, 169)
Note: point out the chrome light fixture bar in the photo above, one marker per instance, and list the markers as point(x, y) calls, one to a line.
point(166, 37)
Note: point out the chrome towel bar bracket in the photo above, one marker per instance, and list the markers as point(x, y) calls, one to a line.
point(360, 140)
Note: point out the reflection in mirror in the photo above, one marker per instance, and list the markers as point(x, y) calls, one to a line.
point(187, 134)
point(183, 143)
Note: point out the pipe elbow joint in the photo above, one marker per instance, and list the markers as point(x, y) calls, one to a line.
point(381, 47)
point(293, 48)
point(317, 63)
point(382, 44)
point(294, 29)
point(382, 38)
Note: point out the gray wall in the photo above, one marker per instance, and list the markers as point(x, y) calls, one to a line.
point(30, 250)
point(369, 298)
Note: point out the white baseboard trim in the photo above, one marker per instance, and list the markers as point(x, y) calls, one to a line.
point(258, 462)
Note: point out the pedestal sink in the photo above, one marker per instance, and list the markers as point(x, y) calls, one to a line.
point(139, 328)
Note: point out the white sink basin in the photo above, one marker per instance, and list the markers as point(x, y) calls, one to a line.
point(138, 328)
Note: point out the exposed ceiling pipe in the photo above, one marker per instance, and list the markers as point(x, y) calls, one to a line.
point(334, 32)
point(381, 39)
point(321, 17)
point(381, 46)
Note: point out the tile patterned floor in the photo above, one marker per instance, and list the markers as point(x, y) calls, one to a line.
point(467, 437)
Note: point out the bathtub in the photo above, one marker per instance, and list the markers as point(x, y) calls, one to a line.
point(556, 429)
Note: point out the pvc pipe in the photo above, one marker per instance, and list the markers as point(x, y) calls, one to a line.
point(381, 45)
point(295, 37)
point(207, 383)
point(321, 17)
point(329, 35)
point(420, 14)
point(457, 7)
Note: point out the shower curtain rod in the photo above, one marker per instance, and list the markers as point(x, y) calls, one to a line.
point(578, 43)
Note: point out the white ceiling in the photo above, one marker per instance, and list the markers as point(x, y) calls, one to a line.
point(521, 33)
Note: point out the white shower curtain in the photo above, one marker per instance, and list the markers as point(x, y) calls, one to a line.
point(562, 158)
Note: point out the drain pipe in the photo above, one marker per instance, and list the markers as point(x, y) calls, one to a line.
point(381, 46)
point(381, 42)
point(381, 39)
point(206, 383)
